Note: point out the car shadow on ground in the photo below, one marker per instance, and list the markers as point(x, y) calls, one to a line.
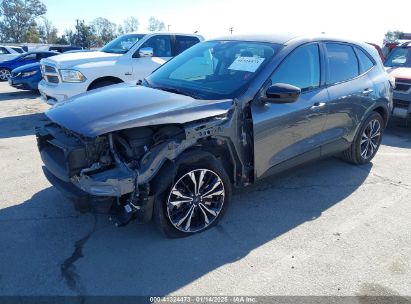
point(22, 125)
point(399, 134)
point(87, 255)
point(9, 96)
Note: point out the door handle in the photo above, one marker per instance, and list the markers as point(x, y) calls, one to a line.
point(367, 92)
point(318, 106)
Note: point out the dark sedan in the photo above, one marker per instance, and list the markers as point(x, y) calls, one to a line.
point(27, 58)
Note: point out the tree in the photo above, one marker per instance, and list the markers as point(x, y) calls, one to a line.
point(155, 25)
point(48, 32)
point(392, 36)
point(103, 30)
point(62, 40)
point(17, 18)
point(32, 35)
point(131, 24)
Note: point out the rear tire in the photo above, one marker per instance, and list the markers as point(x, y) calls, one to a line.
point(196, 200)
point(367, 141)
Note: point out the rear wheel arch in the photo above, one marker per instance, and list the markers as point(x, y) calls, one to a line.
point(383, 112)
point(104, 81)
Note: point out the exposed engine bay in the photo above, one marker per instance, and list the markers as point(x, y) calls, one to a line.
point(120, 166)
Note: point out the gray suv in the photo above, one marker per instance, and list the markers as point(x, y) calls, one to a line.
point(224, 113)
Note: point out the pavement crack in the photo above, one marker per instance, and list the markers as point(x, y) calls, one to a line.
point(68, 269)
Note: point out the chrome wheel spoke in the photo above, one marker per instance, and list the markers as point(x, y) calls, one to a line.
point(212, 212)
point(207, 221)
point(181, 195)
point(186, 216)
point(218, 183)
point(220, 192)
point(201, 181)
point(179, 203)
point(193, 179)
point(188, 225)
point(378, 134)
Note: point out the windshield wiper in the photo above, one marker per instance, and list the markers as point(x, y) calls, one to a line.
point(176, 91)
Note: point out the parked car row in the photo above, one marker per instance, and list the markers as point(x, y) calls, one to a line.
point(9, 52)
point(224, 113)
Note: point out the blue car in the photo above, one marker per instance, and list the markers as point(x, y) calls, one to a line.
point(26, 77)
point(27, 58)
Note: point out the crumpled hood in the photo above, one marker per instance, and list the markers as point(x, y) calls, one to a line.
point(403, 73)
point(127, 106)
point(72, 59)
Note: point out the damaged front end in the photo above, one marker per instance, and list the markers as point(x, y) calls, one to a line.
point(114, 172)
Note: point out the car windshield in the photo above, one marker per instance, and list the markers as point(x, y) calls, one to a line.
point(122, 44)
point(214, 69)
point(399, 57)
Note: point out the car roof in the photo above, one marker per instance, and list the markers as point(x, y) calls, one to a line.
point(271, 38)
point(41, 52)
point(285, 39)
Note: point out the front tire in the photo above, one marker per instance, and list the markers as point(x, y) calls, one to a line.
point(4, 74)
point(195, 201)
point(367, 142)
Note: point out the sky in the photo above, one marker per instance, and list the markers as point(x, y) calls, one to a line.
point(366, 20)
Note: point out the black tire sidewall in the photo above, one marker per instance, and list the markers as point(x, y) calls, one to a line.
point(160, 209)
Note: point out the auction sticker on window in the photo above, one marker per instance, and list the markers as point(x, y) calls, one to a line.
point(246, 64)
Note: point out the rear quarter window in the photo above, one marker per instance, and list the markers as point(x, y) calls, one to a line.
point(342, 63)
point(365, 62)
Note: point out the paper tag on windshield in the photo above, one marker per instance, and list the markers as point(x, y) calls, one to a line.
point(246, 64)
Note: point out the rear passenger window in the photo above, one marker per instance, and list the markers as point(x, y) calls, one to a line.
point(185, 42)
point(301, 68)
point(342, 63)
point(365, 61)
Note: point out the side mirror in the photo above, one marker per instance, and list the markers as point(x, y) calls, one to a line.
point(282, 93)
point(146, 52)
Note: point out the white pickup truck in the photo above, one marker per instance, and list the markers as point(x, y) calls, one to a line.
point(128, 59)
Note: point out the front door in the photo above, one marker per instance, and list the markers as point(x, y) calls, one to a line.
point(162, 52)
point(285, 131)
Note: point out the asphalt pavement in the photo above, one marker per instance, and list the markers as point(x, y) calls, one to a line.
point(327, 228)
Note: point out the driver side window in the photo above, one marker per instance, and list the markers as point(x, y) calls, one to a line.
point(301, 68)
point(160, 44)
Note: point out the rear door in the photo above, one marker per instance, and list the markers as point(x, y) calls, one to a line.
point(351, 93)
point(284, 131)
point(182, 43)
point(162, 52)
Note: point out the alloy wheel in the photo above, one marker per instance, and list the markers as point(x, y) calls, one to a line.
point(196, 200)
point(370, 140)
point(4, 74)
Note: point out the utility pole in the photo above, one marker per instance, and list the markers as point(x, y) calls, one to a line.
point(231, 30)
point(78, 31)
point(168, 27)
